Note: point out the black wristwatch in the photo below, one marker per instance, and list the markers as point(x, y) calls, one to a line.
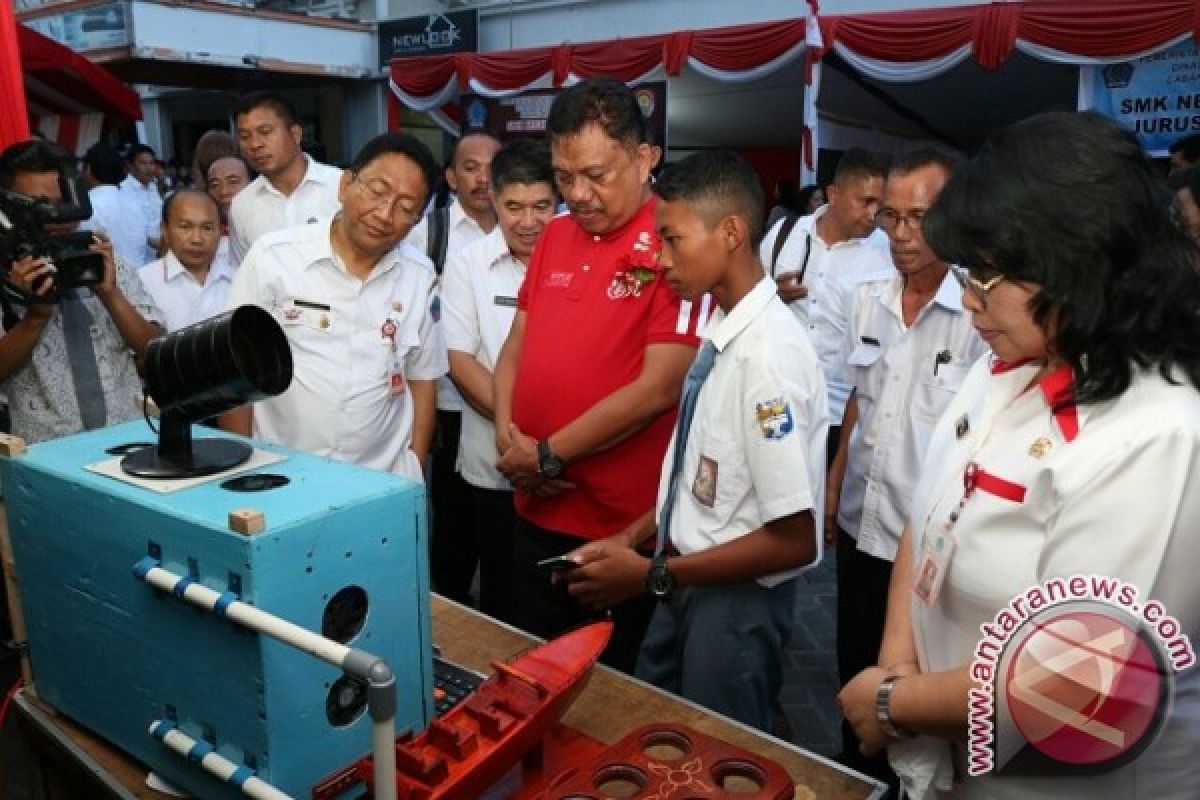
point(660, 581)
point(550, 465)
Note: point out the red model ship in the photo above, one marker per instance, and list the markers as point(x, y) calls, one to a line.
point(477, 742)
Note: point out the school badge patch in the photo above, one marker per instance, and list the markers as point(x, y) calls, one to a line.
point(774, 418)
point(704, 488)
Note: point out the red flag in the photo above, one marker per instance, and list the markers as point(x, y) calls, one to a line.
point(14, 119)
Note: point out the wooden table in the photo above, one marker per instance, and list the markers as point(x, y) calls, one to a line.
point(75, 763)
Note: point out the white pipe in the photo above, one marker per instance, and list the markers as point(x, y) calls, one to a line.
point(256, 619)
point(383, 751)
point(217, 764)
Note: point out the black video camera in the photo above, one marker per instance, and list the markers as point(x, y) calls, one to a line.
point(22, 233)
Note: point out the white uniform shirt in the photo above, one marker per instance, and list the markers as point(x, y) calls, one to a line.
point(903, 379)
point(260, 208)
point(461, 231)
point(181, 298)
point(1110, 490)
point(119, 217)
point(339, 404)
point(828, 271)
point(150, 203)
point(479, 300)
point(756, 449)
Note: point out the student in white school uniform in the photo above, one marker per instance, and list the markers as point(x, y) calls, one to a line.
point(479, 301)
point(1074, 451)
point(189, 283)
point(741, 485)
point(291, 188)
point(361, 313)
point(114, 213)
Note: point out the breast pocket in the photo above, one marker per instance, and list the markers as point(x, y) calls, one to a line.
point(935, 391)
point(860, 372)
point(719, 478)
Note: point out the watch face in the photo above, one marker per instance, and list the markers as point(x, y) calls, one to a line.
point(661, 580)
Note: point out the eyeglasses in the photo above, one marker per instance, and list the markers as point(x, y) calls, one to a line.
point(978, 289)
point(890, 219)
point(393, 203)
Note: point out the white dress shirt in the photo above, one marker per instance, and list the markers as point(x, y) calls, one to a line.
point(903, 377)
point(118, 215)
point(346, 336)
point(828, 270)
point(182, 299)
point(461, 231)
point(756, 449)
point(260, 208)
point(150, 202)
point(479, 301)
point(1111, 489)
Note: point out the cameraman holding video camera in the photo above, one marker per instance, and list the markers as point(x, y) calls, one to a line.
point(67, 363)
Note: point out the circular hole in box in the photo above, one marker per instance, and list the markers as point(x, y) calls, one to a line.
point(345, 614)
point(666, 745)
point(258, 482)
point(346, 701)
point(619, 780)
point(738, 777)
point(127, 448)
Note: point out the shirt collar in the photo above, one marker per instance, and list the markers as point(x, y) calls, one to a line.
point(948, 296)
point(1058, 389)
point(322, 251)
point(643, 217)
point(809, 224)
point(497, 251)
point(310, 174)
point(173, 268)
point(725, 329)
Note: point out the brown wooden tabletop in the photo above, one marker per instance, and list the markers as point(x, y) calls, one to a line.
point(611, 706)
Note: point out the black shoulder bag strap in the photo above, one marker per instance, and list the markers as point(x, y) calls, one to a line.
point(439, 237)
point(785, 231)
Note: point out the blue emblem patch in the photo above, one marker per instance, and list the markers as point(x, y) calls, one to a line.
point(774, 418)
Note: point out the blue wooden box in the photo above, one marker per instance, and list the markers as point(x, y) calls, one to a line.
point(115, 654)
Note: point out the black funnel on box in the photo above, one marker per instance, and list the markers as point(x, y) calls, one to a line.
point(237, 357)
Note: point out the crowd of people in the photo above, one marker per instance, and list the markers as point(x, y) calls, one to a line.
point(634, 392)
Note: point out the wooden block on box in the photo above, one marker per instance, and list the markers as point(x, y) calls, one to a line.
point(247, 520)
point(11, 445)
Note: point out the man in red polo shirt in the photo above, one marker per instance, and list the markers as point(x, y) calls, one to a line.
point(588, 382)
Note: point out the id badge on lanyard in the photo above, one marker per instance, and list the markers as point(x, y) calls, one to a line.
point(395, 376)
point(939, 546)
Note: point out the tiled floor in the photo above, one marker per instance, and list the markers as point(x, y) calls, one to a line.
point(810, 680)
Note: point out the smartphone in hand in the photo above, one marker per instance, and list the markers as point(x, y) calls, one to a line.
point(557, 564)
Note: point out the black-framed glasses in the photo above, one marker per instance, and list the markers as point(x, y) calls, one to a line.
point(890, 219)
point(978, 289)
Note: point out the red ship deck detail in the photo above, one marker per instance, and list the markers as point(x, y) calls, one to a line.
point(477, 742)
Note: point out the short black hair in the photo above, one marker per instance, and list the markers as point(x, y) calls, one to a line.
point(138, 149)
point(32, 156)
point(606, 102)
point(105, 163)
point(463, 137)
point(276, 102)
point(522, 161)
point(804, 197)
point(395, 143)
point(1070, 202)
point(172, 197)
point(1188, 146)
point(720, 179)
point(925, 156)
point(857, 163)
point(1188, 178)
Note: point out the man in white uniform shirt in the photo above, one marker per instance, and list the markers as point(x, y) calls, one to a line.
point(114, 213)
point(141, 188)
point(479, 292)
point(189, 283)
point(291, 189)
point(361, 312)
point(909, 346)
point(444, 233)
point(815, 258)
point(226, 177)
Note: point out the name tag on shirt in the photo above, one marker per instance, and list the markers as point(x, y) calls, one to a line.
point(935, 563)
point(507, 302)
point(309, 314)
